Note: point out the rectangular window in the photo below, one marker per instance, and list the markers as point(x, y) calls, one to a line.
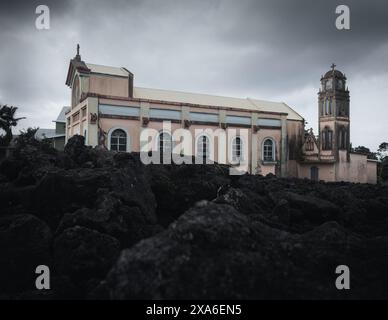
point(267, 153)
point(204, 117)
point(118, 143)
point(165, 114)
point(237, 150)
point(269, 122)
point(76, 117)
point(327, 139)
point(330, 108)
point(330, 138)
point(238, 120)
point(119, 110)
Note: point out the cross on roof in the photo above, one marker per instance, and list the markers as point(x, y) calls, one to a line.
point(333, 66)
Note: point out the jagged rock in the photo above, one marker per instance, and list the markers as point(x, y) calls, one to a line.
point(247, 237)
point(178, 187)
point(281, 212)
point(61, 191)
point(24, 244)
point(127, 224)
point(132, 187)
point(245, 201)
point(75, 148)
point(193, 253)
point(213, 251)
point(84, 254)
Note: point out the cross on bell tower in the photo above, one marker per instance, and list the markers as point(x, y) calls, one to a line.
point(333, 112)
point(78, 56)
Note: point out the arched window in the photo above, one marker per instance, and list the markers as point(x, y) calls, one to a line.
point(327, 139)
point(268, 150)
point(327, 106)
point(76, 92)
point(118, 140)
point(164, 143)
point(203, 148)
point(237, 149)
point(342, 109)
point(342, 137)
point(309, 144)
point(330, 107)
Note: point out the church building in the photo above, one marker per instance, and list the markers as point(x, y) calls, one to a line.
point(110, 112)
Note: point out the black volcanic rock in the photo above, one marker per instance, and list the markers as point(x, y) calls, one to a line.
point(178, 187)
point(212, 251)
point(111, 216)
point(77, 151)
point(228, 236)
point(84, 254)
point(24, 244)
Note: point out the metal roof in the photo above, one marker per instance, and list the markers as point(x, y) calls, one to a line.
point(62, 115)
point(114, 71)
point(216, 101)
point(47, 134)
point(197, 98)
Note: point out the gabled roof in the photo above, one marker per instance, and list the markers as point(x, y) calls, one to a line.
point(62, 115)
point(75, 64)
point(216, 101)
point(182, 97)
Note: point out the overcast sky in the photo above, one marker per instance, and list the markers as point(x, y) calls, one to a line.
point(273, 50)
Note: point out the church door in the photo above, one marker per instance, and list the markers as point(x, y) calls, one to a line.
point(314, 172)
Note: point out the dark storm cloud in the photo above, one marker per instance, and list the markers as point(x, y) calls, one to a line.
point(301, 35)
point(14, 13)
point(265, 49)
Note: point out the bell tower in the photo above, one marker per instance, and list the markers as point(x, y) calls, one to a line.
point(333, 114)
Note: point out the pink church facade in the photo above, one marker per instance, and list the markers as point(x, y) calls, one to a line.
point(270, 137)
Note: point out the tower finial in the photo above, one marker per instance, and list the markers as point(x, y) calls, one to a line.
point(77, 49)
point(333, 66)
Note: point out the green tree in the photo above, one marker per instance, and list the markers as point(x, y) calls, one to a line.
point(382, 151)
point(384, 170)
point(7, 121)
point(366, 151)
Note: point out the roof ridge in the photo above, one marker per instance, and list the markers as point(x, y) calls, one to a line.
point(205, 94)
point(254, 104)
point(103, 65)
point(216, 100)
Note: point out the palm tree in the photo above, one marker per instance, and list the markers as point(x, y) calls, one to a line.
point(7, 121)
